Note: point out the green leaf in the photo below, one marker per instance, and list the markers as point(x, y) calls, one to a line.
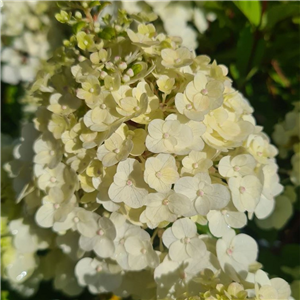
point(251, 9)
point(234, 71)
point(137, 68)
point(78, 26)
point(278, 13)
point(296, 20)
point(244, 49)
point(4, 295)
point(107, 33)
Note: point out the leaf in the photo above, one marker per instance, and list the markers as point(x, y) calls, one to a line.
point(107, 33)
point(278, 13)
point(244, 49)
point(251, 9)
point(234, 71)
point(78, 26)
point(296, 20)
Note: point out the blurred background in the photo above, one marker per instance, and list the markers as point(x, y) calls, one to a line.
point(259, 42)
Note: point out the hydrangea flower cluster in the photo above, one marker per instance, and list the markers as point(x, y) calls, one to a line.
point(26, 43)
point(287, 136)
point(186, 19)
point(138, 144)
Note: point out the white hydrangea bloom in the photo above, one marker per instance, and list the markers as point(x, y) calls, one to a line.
point(176, 58)
point(240, 165)
point(128, 186)
point(183, 241)
point(162, 207)
point(22, 267)
point(260, 148)
point(114, 149)
point(140, 253)
point(28, 238)
point(204, 194)
point(271, 188)
point(246, 192)
point(161, 172)
point(168, 136)
point(82, 220)
point(55, 208)
point(48, 151)
point(221, 221)
point(102, 241)
point(25, 45)
point(176, 279)
point(265, 288)
point(198, 129)
point(99, 276)
point(235, 254)
point(200, 97)
point(196, 162)
point(137, 139)
point(124, 231)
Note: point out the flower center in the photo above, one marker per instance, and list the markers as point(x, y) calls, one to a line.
point(52, 179)
point(204, 92)
point(103, 106)
point(242, 189)
point(200, 193)
point(187, 240)
point(92, 90)
point(64, 107)
point(52, 152)
point(76, 219)
point(100, 232)
point(165, 202)
point(229, 251)
point(137, 108)
point(195, 165)
point(99, 269)
point(236, 168)
point(129, 182)
point(259, 153)
point(188, 106)
point(117, 150)
point(56, 206)
point(158, 174)
point(166, 135)
point(143, 251)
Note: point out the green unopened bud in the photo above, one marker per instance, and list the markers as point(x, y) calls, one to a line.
point(66, 43)
point(62, 17)
point(137, 69)
point(78, 15)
